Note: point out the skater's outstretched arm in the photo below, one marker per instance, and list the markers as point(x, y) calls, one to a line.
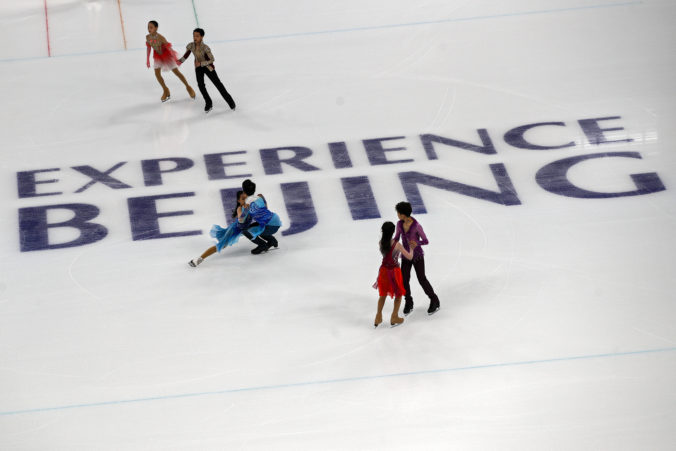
point(148, 55)
point(185, 55)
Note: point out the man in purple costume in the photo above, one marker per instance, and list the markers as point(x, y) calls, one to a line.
point(410, 230)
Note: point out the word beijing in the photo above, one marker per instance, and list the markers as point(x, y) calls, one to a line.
point(145, 218)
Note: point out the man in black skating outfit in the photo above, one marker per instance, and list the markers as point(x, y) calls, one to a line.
point(266, 223)
point(204, 65)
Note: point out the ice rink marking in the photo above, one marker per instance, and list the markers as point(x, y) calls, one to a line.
point(431, 22)
point(337, 381)
point(346, 30)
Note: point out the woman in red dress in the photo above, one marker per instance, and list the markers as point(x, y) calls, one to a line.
point(390, 282)
point(164, 58)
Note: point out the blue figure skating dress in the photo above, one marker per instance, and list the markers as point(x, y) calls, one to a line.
point(229, 236)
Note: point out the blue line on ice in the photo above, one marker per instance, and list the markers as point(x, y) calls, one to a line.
point(365, 28)
point(336, 381)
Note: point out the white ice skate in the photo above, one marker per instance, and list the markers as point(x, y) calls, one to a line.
point(195, 261)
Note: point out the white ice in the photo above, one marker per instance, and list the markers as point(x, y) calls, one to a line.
point(557, 327)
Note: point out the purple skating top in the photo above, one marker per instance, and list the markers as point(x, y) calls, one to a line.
point(415, 233)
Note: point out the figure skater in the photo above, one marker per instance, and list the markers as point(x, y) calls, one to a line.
point(389, 281)
point(228, 236)
point(266, 222)
point(165, 58)
point(204, 65)
point(412, 232)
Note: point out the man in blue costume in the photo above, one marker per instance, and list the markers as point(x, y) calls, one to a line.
point(265, 223)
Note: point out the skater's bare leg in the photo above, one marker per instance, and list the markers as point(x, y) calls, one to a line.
point(160, 80)
point(180, 76)
point(196, 261)
point(208, 252)
point(379, 314)
point(395, 320)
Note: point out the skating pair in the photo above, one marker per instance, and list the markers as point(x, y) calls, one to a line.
point(254, 221)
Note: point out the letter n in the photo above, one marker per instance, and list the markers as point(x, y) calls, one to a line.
point(506, 194)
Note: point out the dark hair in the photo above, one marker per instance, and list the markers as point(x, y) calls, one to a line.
point(154, 22)
point(234, 212)
point(404, 208)
point(199, 30)
point(249, 187)
point(386, 238)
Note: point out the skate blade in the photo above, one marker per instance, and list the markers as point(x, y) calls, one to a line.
point(165, 99)
point(433, 312)
point(395, 325)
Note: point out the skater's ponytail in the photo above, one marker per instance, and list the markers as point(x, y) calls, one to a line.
point(234, 212)
point(386, 238)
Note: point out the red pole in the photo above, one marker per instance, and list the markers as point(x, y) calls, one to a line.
point(49, 48)
point(124, 36)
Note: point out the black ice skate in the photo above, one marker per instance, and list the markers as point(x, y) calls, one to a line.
point(272, 241)
point(408, 307)
point(434, 306)
point(208, 108)
point(262, 246)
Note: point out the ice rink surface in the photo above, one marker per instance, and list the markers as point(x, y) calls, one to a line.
point(536, 141)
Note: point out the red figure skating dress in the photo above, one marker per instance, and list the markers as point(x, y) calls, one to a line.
point(164, 56)
point(390, 283)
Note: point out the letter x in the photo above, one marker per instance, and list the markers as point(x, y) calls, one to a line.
point(97, 176)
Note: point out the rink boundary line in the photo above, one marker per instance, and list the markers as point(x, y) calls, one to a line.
point(335, 381)
point(429, 22)
point(349, 30)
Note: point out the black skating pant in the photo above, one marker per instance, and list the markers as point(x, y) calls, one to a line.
point(267, 233)
point(200, 72)
point(419, 266)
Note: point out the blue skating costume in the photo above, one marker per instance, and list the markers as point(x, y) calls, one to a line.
point(229, 236)
point(259, 213)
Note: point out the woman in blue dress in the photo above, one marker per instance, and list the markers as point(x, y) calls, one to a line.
point(228, 236)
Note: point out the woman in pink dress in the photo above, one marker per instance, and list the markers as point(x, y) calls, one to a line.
point(164, 58)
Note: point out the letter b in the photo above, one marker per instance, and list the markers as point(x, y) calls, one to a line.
point(33, 226)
